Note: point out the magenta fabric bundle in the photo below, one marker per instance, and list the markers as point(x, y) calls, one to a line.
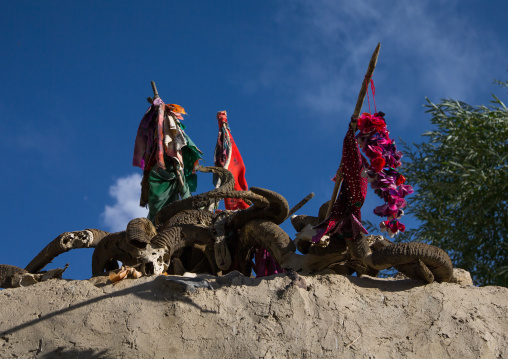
point(346, 217)
point(384, 179)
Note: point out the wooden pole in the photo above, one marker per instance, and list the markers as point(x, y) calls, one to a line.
point(156, 94)
point(300, 204)
point(356, 113)
point(338, 182)
point(368, 76)
point(175, 162)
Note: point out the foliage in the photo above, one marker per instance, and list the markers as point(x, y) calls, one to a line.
point(461, 179)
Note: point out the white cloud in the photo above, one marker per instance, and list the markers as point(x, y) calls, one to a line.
point(126, 192)
point(428, 49)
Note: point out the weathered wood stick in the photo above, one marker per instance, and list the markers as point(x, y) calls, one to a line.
point(338, 183)
point(156, 94)
point(356, 113)
point(176, 166)
point(365, 83)
point(300, 204)
point(178, 174)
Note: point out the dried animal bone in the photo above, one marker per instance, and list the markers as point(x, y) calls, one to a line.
point(119, 247)
point(199, 201)
point(24, 279)
point(187, 237)
point(221, 250)
point(369, 255)
point(6, 273)
point(140, 232)
point(186, 229)
point(266, 234)
point(416, 260)
point(63, 243)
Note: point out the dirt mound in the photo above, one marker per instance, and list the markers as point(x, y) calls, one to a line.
point(282, 316)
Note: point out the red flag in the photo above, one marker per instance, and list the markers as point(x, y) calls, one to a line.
point(228, 156)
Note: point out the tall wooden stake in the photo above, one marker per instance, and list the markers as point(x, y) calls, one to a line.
point(356, 113)
point(300, 204)
point(175, 164)
point(156, 94)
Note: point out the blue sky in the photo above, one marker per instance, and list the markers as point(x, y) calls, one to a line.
point(75, 77)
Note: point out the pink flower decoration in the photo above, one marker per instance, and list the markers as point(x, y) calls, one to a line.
point(368, 123)
point(378, 164)
point(381, 173)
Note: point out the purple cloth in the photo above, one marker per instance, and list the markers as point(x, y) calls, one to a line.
point(145, 135)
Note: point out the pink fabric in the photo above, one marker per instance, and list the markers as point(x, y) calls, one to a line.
point(143, 138)
point(265, 264)
point(144, 142)
point(160, 134)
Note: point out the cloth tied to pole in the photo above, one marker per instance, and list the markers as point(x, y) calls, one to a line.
point(228, 156)
point(345, 218)
point(166, 155)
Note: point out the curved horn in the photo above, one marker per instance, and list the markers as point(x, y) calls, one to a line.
point(200, 200)
point(266, 234)
point(257, 200)
point(89, 238)
point(278, 210)
point(140, 232)
point(422, 256)
point(110, 250)
point(274, 207)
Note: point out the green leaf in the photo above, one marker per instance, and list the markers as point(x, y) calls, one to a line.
point(460, 173)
